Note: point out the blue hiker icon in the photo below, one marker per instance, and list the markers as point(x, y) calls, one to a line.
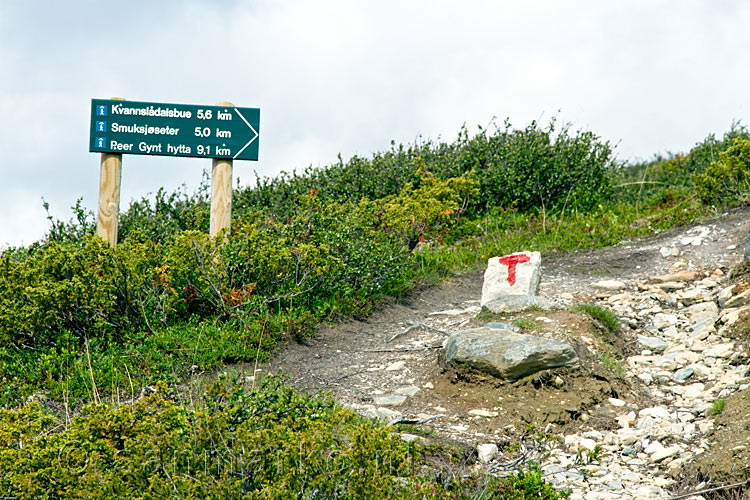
point(100, 142)
point(101, 110)
point(101, 126)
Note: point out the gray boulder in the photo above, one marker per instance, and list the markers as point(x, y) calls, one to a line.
point(505, 354)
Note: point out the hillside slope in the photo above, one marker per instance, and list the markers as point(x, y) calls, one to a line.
point(387, 365)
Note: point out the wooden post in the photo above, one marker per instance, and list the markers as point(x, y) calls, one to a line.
point(221, 191)
point(110, 177)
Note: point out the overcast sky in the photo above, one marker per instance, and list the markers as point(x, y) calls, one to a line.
point(349, 76)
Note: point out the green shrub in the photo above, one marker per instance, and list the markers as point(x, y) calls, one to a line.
point(525, 485)
point(168, 213)
point(532, 168)
point(418, 215)
point(729, 177)
point(268, 443)
point(645, 181)
point(60, 286)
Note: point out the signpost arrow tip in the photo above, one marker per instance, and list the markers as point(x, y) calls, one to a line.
point(251, 128)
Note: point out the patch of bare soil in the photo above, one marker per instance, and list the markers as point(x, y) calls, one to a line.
point(728, 460)
point(395, 351)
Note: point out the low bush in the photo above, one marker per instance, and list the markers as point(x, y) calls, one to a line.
point(532, 169)
point(676, 174)
point(236, 443)
point(729, 177)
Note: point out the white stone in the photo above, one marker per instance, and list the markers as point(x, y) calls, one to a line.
point(669, 252)
point(616, 402)
point(654, 344)
point(720, 351)
point(646, 378)
point(398, 365)
point(658, 412)
point(694, 391)
point(665, 453)
point(408, 438)
point(663, 482)
point(730, 316)
point(701, 311)
point(685, 416)
point(610, 285)
point(688, 430)
point(386, 413)
point(587, 443)
point(483, 413)
point(389, 400)
point(670, 331)
point(520, 278)
point(663, 320)
point(646, 423)
point(739, 300)
point(693, 296)
point(653, 447)
point(724, 295)
point(571, 440)
point(487, 452)
point(625, 421)
point(408, 391)
point(640, 360)
point(649, 492)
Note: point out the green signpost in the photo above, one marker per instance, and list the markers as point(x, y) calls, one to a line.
point(222, 132)
point(147, 128)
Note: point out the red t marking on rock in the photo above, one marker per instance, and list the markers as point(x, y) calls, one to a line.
point(511, 261)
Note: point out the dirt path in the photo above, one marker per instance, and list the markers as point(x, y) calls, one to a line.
point(341, 358)
point(387, 366)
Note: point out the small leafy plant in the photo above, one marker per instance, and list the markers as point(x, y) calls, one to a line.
point(718, 406)
point(604, 318)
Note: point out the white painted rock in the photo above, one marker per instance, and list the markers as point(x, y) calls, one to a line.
point(515, 274)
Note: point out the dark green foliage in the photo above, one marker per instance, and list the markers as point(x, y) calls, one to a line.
point(532, 169)
point(728, 178)
point(237, 443)
point(529, 484)
point(675, 174)
point(168, 213)
point(541, 169)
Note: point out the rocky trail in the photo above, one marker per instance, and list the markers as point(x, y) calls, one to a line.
point(633, 421)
